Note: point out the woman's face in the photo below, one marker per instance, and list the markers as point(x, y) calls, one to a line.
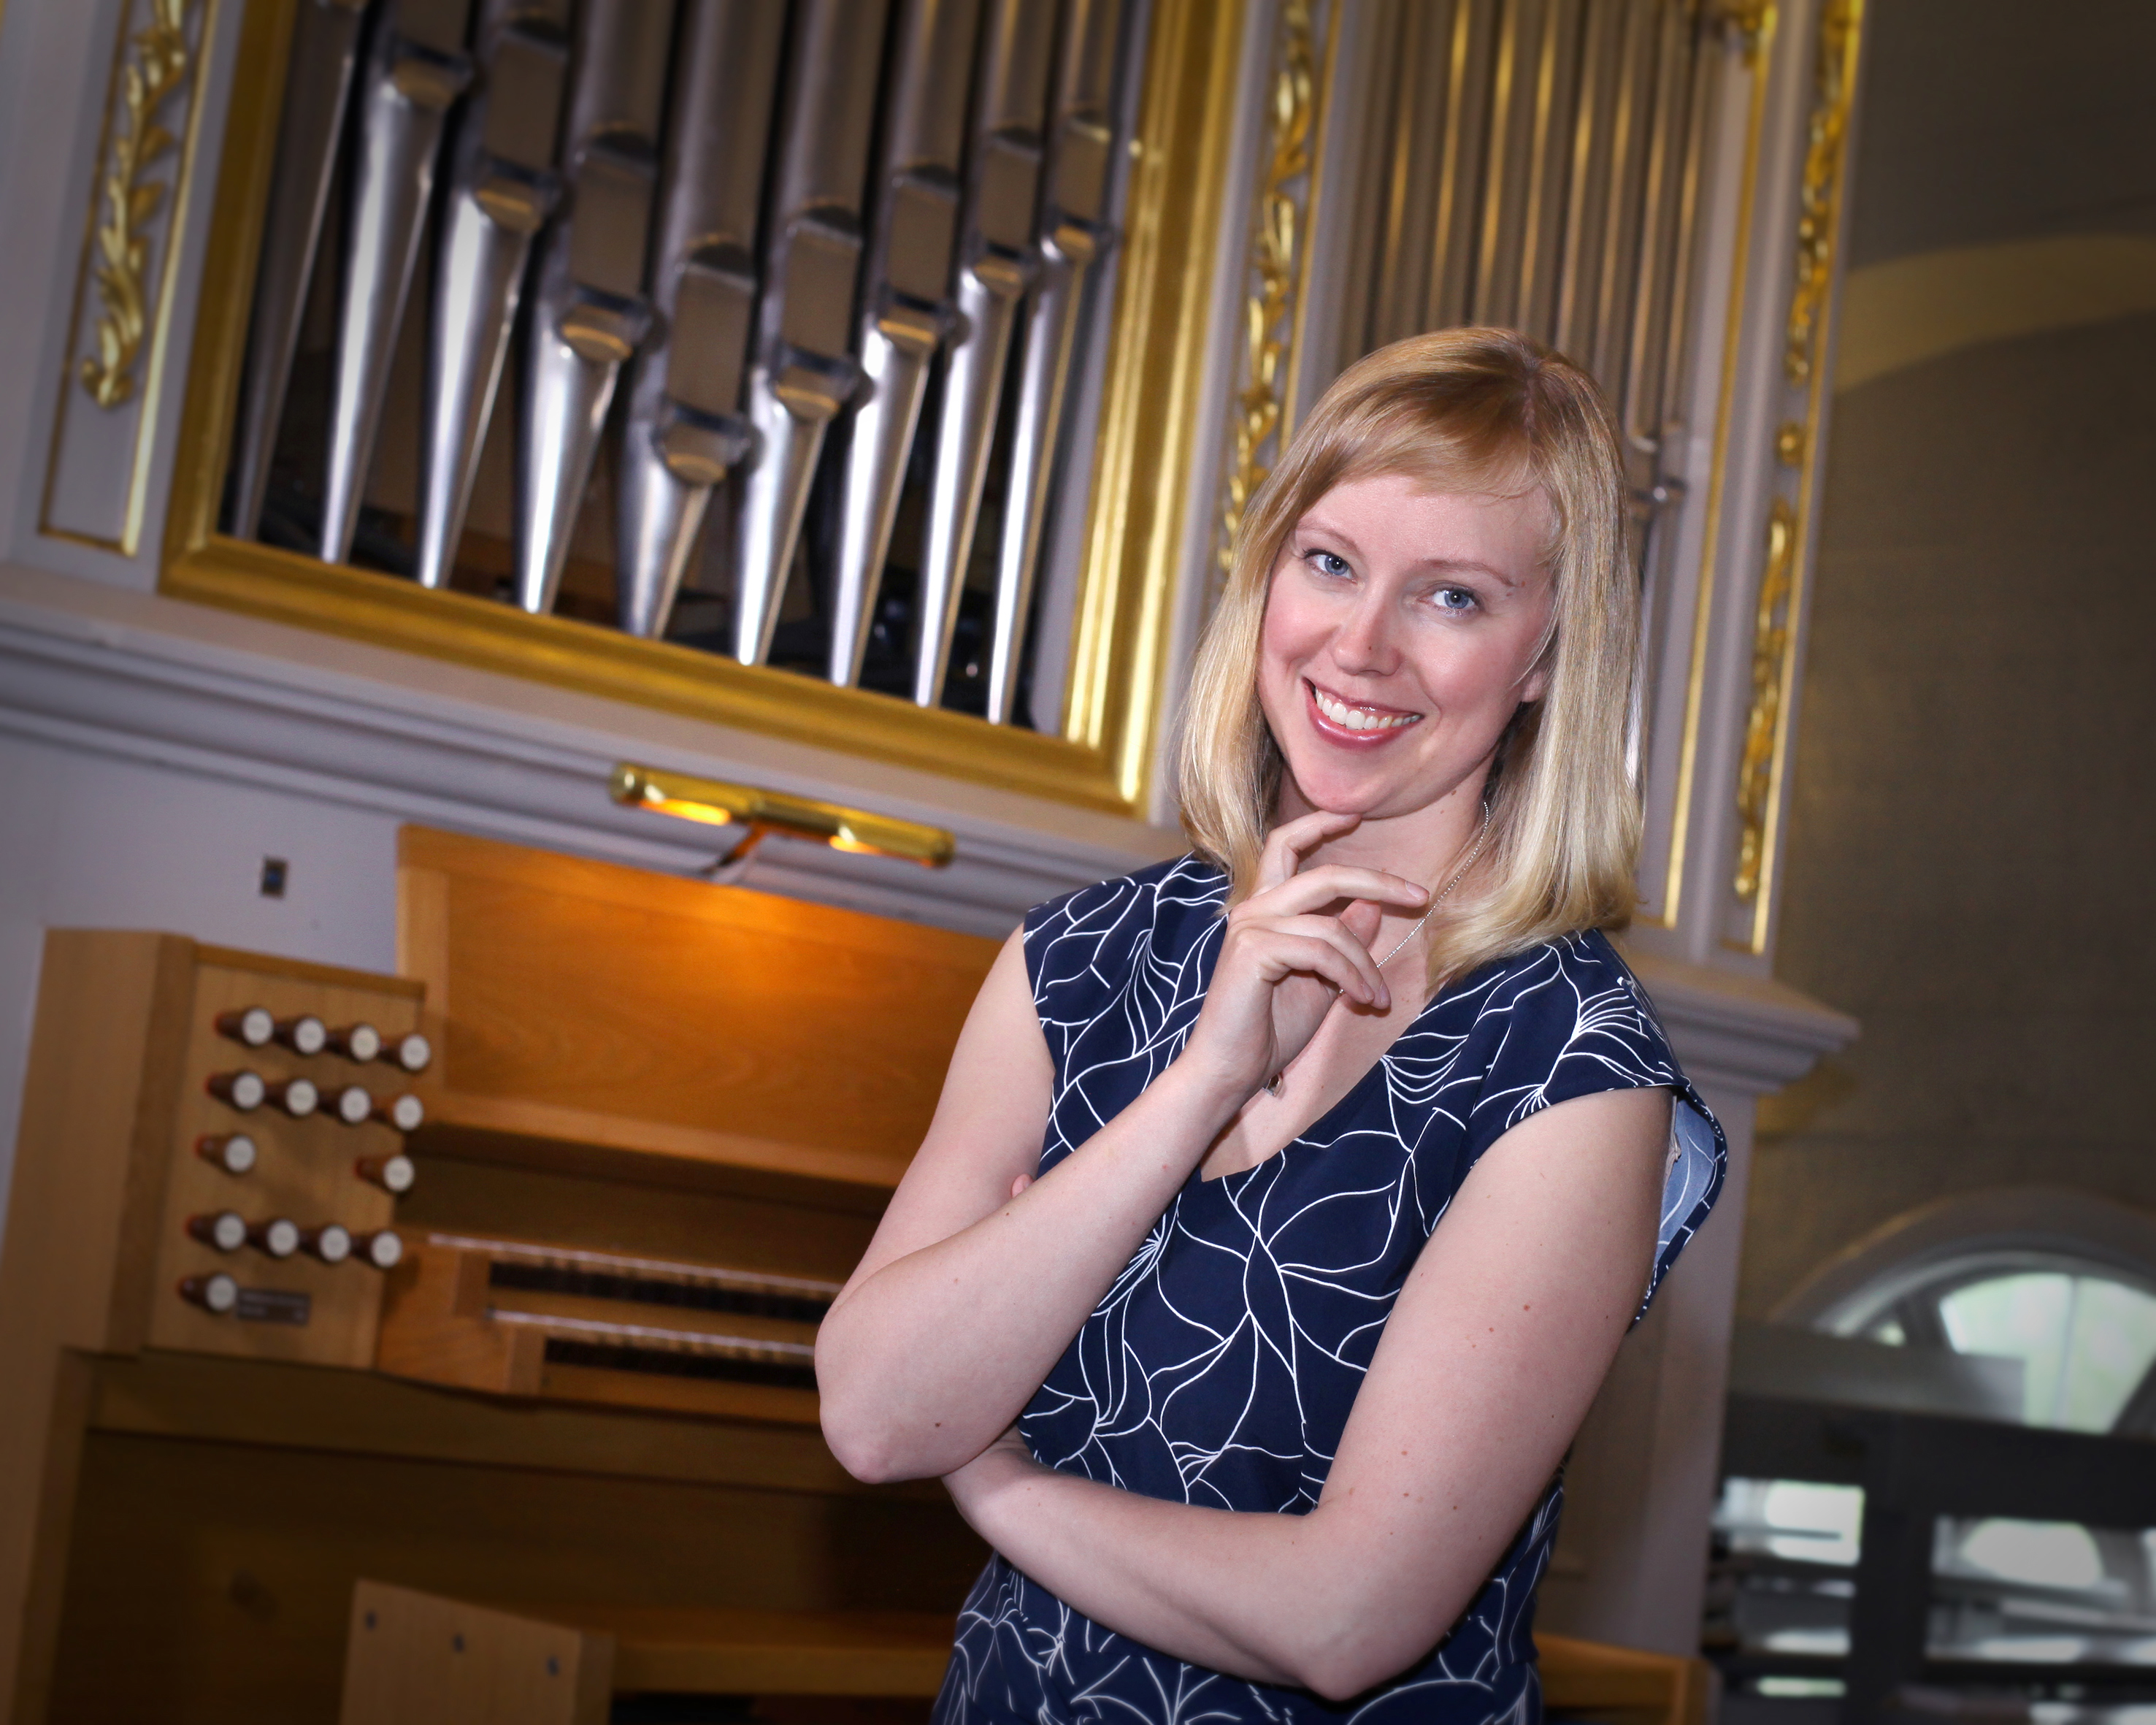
point(1398, 638)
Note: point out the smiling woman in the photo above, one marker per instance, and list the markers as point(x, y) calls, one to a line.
point(1483, 472)
point(1286, 1204)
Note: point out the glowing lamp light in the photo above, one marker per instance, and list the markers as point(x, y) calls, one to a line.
point(713, 803)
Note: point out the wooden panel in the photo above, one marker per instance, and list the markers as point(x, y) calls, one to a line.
point(582, 1001)
point(782, 1226)
point(97, 1102)
point(414, 1659)
point(736, 1652)
point(225, 1571)
point(1622, 1683)
point(105, 1177)
point(290, 1406)
point(417, 1659)
point(306, 1173)
point(676, 1395)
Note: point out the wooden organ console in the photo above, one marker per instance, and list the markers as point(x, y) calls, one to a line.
point(391, 1350)
point(496, 1280)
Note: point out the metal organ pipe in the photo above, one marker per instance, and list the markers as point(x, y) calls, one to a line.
point(415, 69)
point(1073, 233)
point(685, 430)
point(589, 311)
point(502, 187)
point(776, 265)
point(997, 260)
point(906, 307)
point(324, 50)
point(803, 374)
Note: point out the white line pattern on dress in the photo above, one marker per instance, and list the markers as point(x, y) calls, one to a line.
point(1220, 1367)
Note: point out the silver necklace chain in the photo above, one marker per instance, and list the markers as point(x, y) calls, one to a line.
point(1459, 874)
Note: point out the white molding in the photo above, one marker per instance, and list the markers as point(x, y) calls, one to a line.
point(1738, 1031)
point(206, 694)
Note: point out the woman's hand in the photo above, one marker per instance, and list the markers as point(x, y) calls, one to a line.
point(1288, 957)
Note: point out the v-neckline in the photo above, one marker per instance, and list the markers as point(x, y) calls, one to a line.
point(1199, 1176)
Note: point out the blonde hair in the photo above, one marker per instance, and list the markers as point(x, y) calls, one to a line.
point(1461, 410)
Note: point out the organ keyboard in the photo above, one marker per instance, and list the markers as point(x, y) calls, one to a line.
point(520, 1319)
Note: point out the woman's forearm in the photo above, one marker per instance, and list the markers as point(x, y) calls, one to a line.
point(1275, 1599)
point(924, 1362)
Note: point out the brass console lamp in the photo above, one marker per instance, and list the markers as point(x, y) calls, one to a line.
point(716, 803)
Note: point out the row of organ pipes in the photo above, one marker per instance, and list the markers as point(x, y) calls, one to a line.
point(608, 160)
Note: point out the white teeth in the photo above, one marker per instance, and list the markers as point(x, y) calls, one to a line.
point(1354, 718)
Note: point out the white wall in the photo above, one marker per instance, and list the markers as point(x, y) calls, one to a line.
point(91, 842)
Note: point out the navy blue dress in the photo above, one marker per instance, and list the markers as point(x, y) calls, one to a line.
point(1221, 1367)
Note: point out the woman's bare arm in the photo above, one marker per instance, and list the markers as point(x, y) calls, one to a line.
point(1497, 1346)
point(968, 1295)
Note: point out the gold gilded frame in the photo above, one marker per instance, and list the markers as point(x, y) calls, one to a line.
point(1135, 515)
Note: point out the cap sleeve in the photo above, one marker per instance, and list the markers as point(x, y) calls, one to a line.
point(1569, 1019)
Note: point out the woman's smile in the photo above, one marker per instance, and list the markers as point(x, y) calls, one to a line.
point(1355, 724)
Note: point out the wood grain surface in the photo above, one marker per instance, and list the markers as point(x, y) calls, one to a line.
point(1591, 1680)
point(225, 1570)
point(415, 1659)
point(585, 997)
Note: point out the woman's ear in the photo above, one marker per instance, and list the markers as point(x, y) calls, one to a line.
point(1536, 684)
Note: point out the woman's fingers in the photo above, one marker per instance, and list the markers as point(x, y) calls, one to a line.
point(1373, 991)
point(1362, 920)
point(1328, 883)
point(1330, 960)
point(1320, 946)
point(1288, 843)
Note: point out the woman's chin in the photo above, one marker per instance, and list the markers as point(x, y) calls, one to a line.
point(1368, 794)
point(1360, 794)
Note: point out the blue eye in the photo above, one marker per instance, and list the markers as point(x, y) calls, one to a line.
point(1328, 563)
point(1456, 601)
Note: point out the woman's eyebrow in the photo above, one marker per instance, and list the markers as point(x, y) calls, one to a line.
point(1310, 524)
point(1468, 566)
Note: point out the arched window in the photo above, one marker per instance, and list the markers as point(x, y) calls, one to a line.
point(2061, 1284)
point(2083, 1333)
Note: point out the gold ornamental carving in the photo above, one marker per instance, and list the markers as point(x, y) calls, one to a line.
point(1821, 209)
point(1752, 22)
point(1770, 641)
point(1279, 233)
point(154, 68)
point(1796, 447)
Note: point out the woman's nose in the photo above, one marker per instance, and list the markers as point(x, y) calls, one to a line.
point(1363, 643)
